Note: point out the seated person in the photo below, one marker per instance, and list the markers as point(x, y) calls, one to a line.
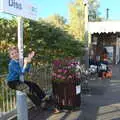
point(33, 91)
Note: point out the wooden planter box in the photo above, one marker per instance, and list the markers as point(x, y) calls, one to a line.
point(67, 94)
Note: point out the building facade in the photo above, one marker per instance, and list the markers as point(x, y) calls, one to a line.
point(105, 34)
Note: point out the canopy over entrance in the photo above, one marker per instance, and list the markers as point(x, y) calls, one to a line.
point(104, 27)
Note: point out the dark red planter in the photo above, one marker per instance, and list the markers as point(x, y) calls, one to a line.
point(65, 94)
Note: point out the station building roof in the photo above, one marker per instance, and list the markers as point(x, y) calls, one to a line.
point(104, 27)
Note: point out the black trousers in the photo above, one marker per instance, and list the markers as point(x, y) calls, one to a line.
point(33, 91)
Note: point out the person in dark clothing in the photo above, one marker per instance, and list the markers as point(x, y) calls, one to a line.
point(15, 71)
point(33, 91)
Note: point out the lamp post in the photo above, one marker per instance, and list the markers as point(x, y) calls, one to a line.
point(85, 2)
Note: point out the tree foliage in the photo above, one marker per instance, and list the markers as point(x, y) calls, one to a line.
point(94, 14)
point(77, 16)
point(49, 41)
point(8, 30)
point(76, 24)
point(56, 20)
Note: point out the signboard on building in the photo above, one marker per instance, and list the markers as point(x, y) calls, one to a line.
point(21, 8)
point(110, 52)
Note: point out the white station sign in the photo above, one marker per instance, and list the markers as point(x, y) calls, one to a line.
point(21, 8)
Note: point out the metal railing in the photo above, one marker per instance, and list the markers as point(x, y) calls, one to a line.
point(7, 97)
point(42, 76)
point(39, 74)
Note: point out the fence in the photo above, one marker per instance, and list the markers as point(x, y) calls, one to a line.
point(42, 76)
point(7, 97)
point(39, 74)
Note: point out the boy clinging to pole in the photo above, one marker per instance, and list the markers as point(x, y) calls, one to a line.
point(32, 90)
point(14, 72)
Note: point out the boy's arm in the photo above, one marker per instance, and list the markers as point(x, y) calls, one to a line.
point(27, 60)
point(26, 68)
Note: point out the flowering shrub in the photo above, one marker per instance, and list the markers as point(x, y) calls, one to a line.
point(65, 70)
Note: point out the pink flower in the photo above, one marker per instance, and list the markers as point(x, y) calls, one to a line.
point(65, 71)
point(63, 77)
point(59, 70)
point(54, 74)
point(70, 76)
point(59, 76)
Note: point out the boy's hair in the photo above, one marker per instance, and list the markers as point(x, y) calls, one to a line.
point(12, 48)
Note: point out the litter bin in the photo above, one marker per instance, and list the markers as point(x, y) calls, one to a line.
point(67, 94)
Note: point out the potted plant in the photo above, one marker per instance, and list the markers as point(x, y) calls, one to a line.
point(66, 82)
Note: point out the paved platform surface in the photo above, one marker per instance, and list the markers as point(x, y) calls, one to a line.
point(101, 103)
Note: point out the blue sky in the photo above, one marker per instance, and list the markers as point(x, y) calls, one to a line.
point(114, 8)
point(50, 7)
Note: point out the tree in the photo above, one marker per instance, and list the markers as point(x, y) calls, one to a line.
point(8, 35)
point(76, 21)
point(50, 41)
point(56, 20)
point(93, 10)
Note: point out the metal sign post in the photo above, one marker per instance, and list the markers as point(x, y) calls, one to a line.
point(22, 109)
point(24, 9)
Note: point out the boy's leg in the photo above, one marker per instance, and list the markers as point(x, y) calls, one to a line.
point(21, 86)
point(18, 85)
point(35, 100)
point(35, 89)
point(27, 89)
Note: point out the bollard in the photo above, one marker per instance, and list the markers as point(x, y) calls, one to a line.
point(22, 109)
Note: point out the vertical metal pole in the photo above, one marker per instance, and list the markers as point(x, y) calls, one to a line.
point(86, 37)
point(22, 109)
point(107, 13)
